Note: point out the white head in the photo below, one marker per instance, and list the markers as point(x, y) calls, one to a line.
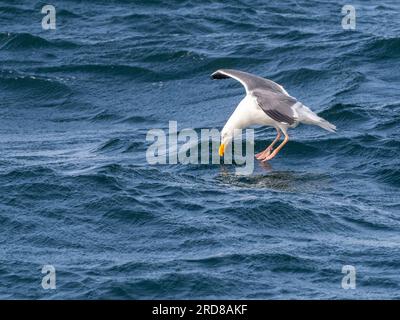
point(238, 120)
point(227, 135)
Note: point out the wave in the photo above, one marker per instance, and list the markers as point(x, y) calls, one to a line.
point(173, 56)
point(122, 145)
point(137, 120)
point(67, 14)
point(23, 41)
point(111, 145)
point(383, 48)
point(300, 75)
point(363, 145)
point(33, 85)
point(274, 214)
point(27, 173)
point(390, 176)
point(98, 181)
point(389, 123)
point(104, 115)
point(346, 112)
point(15, 10)
point(293, 35)
point(303, 77)
point(278, 261)
point(104, 69)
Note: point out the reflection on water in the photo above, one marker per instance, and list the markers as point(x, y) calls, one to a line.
point(266, 166)
point(288, 181)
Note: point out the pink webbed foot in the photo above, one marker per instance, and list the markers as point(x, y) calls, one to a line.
point(268, 157)
point(263, 154)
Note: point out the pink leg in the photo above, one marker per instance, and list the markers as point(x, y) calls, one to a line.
point(267, 152)
point(273, 154)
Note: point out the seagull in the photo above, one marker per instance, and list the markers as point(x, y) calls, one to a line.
point(267, 104)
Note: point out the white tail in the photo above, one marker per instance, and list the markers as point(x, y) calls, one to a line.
point(326, 125)
point(305, 115)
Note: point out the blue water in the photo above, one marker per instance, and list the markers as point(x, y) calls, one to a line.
point(76, 191)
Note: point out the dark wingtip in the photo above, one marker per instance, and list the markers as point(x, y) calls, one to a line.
point(218, 75)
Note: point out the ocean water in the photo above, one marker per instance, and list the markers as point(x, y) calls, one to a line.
point(77, 193)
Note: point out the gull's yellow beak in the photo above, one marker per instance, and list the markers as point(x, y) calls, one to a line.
point(221, 150)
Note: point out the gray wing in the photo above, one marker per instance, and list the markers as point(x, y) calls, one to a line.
point(276, 105)
point(271, 97)
point(248, 80)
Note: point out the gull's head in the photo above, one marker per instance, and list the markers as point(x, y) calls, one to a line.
point(226, 138)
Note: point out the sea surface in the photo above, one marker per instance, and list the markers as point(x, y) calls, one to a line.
point(77, 192)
